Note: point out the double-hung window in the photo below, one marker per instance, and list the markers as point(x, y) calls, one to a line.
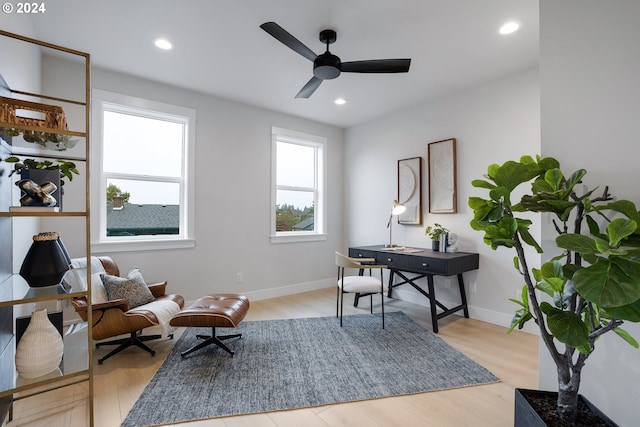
point(298, 186)
point(143, 168)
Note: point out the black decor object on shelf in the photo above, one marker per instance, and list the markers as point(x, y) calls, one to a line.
point(46, 262)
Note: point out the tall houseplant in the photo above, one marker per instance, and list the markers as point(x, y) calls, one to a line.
point(593, 282)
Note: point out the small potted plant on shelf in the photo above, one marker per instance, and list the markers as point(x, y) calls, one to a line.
point(591, 283)
point(42, 171)
point(67, 168)
point(434, 232)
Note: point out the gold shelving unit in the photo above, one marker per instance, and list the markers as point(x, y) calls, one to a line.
point(76, 366)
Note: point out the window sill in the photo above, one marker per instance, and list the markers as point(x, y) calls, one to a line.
point(140, 245)
point(294, 238)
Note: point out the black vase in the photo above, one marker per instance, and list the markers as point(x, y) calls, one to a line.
point(435, 245)
point(46, 262)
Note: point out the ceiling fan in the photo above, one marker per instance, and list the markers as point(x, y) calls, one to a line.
point(328, 66)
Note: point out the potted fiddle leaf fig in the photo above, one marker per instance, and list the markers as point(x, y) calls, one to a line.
point(591, 283)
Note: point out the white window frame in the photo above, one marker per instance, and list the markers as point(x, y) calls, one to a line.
point(320, 199)
point(109, 101)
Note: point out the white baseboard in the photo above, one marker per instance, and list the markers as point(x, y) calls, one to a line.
point(289, 289)
point(282, 291)
point(478, 313)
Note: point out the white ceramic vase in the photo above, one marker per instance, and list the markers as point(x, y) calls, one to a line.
point(40, 349)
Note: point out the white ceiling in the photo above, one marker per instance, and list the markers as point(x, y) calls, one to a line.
point(219, 48)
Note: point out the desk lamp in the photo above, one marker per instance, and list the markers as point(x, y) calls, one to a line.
point(397, 209)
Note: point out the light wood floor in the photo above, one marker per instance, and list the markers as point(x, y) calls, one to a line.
point(120, 380)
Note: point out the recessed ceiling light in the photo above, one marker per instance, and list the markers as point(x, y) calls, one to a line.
point(340, 101)
point(163, 44)
point(509, 27)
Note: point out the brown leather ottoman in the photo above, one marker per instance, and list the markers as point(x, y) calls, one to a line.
point(216, 310)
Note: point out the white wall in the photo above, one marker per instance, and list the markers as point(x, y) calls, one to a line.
point(232, 170)
point(590, 101)
point(492, 123)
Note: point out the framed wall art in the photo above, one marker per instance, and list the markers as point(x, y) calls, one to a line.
point(442, 176)
point(410, 190)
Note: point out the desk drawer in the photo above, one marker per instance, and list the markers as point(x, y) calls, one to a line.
point(361, 253)
point(431, 265)
point(393, 261)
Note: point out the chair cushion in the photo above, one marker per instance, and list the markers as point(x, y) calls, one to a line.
point(215, 310)
point(362, 284)
point(131, 288)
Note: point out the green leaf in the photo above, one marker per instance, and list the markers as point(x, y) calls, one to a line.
point(476, 202)
point(511, 174)
point(481, 183)
point(577, 243)
point(568, 328)
point(625, 336)
point(548, 163)
point(554, 178)
point(529, 240)
point(500, 195)
point(594, 227)
point(575, 178)
point(537, 274)
point(620, 228)
point(517, 302)
point(609, 282)
point(546, 288)
point(630, 312)
point(525, 295)
point(521, 317)
point(552, 269)
point(624, 207)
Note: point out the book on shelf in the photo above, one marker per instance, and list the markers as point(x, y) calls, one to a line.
point(34, 209)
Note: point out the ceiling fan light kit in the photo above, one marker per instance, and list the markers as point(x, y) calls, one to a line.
point(327, 66)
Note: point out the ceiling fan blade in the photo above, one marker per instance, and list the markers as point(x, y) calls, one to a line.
point(287, 39)
point(376, 66)
point(309, 88)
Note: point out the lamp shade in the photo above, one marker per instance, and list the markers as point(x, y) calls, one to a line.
point(46, 262)
point(398, 208)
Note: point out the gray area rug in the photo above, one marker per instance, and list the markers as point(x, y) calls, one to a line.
point(295, 363)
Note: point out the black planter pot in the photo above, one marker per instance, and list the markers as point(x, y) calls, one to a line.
point(42, 176)
point(435, 245)
point(528, 413)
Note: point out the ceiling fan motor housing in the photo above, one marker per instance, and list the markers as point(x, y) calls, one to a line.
point(326, 66)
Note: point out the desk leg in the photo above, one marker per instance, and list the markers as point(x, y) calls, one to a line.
point(432, 303)
point(463, 296)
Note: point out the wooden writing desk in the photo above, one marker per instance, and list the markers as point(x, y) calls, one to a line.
point(424, 263)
